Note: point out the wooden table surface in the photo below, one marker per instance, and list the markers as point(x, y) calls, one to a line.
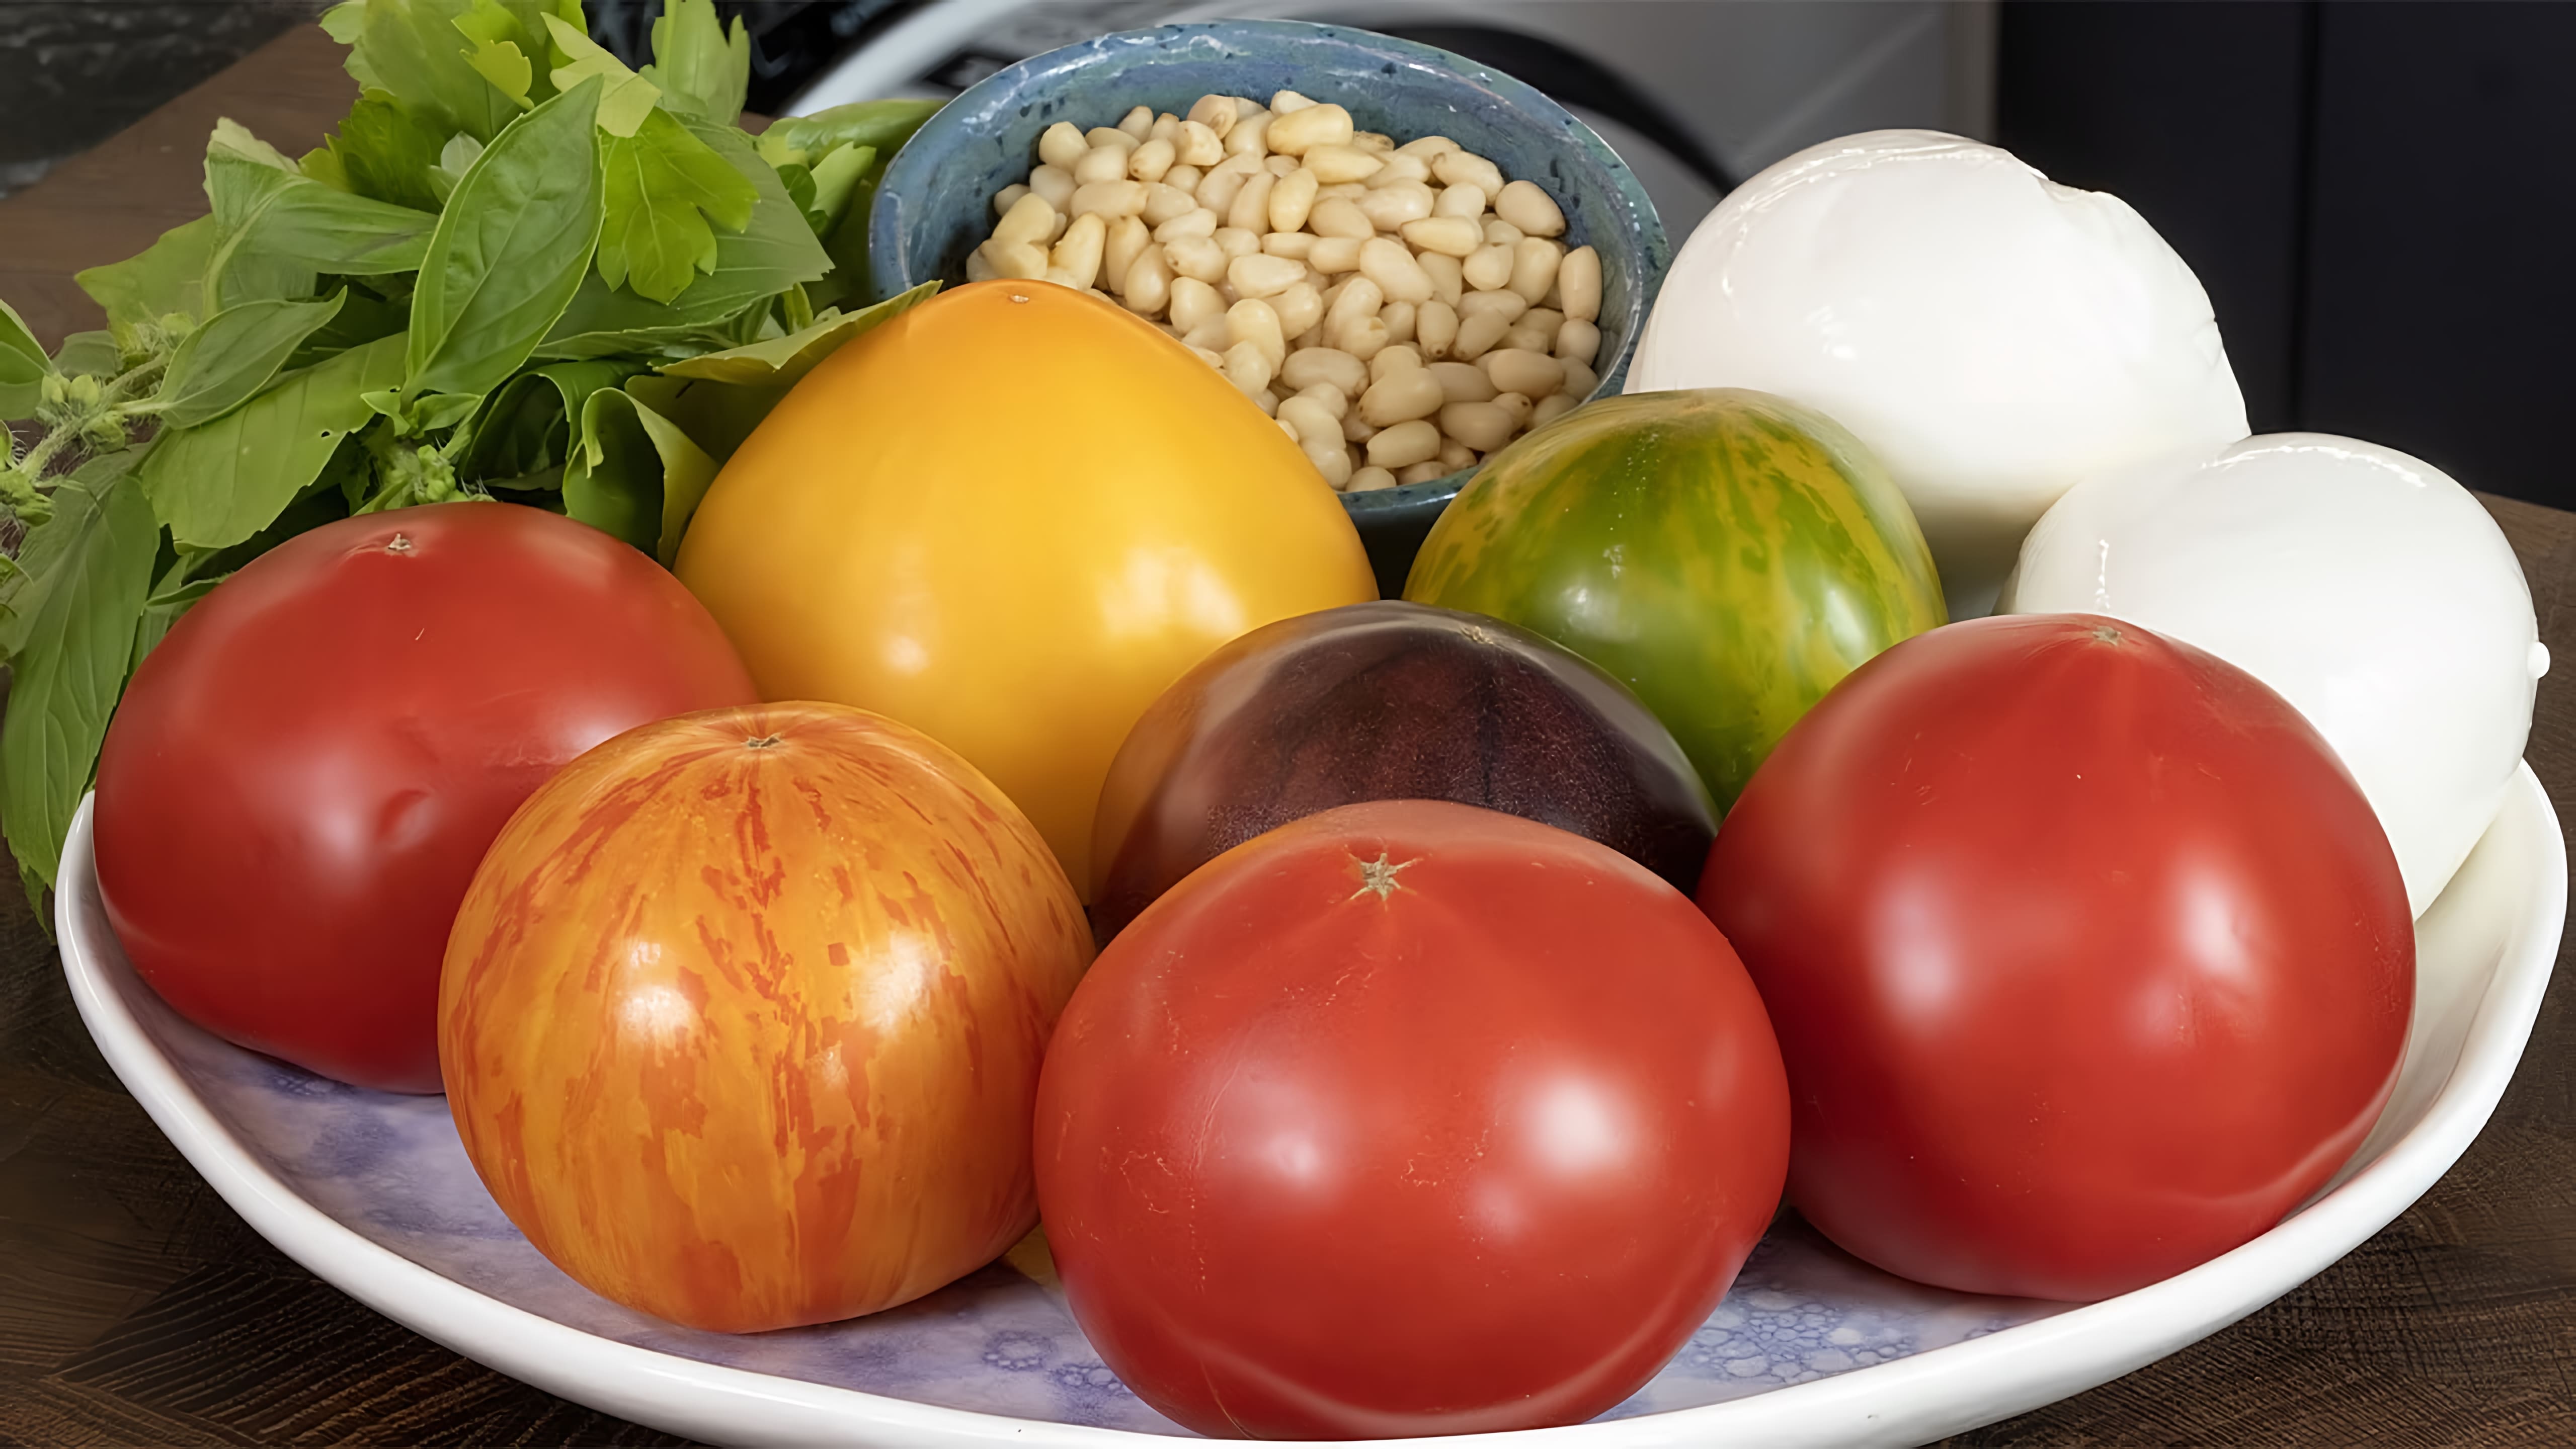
point(135, 1308)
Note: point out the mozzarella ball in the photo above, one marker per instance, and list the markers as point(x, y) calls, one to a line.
point(2367, 588)
point(1992, 336)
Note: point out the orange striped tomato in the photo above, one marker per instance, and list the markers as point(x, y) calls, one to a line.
point(742, 1017)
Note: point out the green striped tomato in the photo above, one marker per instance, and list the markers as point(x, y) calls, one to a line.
point(1727, 554)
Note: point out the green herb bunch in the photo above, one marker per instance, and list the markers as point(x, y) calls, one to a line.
point(519, 271)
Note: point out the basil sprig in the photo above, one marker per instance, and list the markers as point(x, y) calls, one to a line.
point(519, 271)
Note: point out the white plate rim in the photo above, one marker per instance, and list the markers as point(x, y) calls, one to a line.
point(709, 1401)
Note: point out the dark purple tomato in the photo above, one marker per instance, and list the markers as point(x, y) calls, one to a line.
point(1388, 701)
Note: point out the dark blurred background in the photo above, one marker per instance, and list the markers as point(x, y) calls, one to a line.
point(2379, 195)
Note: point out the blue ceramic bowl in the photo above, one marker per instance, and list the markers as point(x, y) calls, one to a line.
point(936, 201)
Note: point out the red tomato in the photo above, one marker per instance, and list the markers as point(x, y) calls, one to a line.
point(1407, 1118)
point(2088, 959)
point(302, 778)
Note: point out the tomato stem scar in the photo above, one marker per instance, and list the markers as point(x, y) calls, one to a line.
point(765, 742)
point(1378, 876)
point(401, 544)
point(2108, 634)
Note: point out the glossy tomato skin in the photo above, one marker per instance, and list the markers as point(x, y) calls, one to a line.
point(1389, 701)
point(301, 778)
point(1407, 1118)
point(743, 1015)
point(1011, 517)
point(2088, 959)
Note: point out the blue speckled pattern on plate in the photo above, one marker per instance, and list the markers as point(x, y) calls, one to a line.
point(935, 203)
point(1810, 1349)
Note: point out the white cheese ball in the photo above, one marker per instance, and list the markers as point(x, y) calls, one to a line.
point(1992, 336)
point(2366, 587)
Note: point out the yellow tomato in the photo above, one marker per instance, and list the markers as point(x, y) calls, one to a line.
point(1009, 518)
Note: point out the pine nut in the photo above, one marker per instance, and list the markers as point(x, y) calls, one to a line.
point(1291, 199)
point(1138, 122)
point(1465, 201)
point(1020, 261)
point(1398, 169)
point(1197, 221)
point(1149, 282)
point(1187, 179)
point(1336, 217)
point(1008, 197)
point(1330, 398)
point(1201, 259)
point(1488, 268)
point(978, 269)
point(1108, 199)
point(1164, 201)
point(1266, 400)
point(1551, 408)
point(1294, 245)
point(1075, 261)
point(1357, 429)
point(1578, 340)
point(1282, 102)
point(1435, 328)
point(1362, 339)
point(1395, 206)
point(1107, 163)
point(1250, 134)
point(1336, 254)
point(1452, 236)
point(1531, 374)
point(1215, 113)
point(1466, 168)
point(1167, 127)
point(1579, 278)
point(1398, 317)
point(1263, 275)
point(1454, 455)
point(1152, 161)
point(1299, 307)
point(1251, 320)
point(1193, 303)
point(1327, 366)
point(1342, 191)
point(1404, 445)
point(1534, 268)
point(1334, 165)
point(1369, 480)
point(1029, 219)
point(1200, 146)
point(1055, 184)
point(1476, 304)
point(1398, 357)
point(1580, 379)
point(1329, 457)
point(1501, 233)
point(1321, 125)
point(1524, 205)
point(1235, 241)
point(1548, 321)
point(1099, 136)
point(1528, 336)
point(1462, 381)
point(1401, 397)
point(1377, 141)
point(1477, 335)
point(1359, 297)
point(1251, 209)
point(1428, 471)
point(1209, 336)
point(1427, 147)
point(1514, 405)
point(1248, 368)
point(1448, 281)
point(1394, 270)
point(1061, 145)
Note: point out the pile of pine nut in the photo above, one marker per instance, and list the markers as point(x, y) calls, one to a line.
point(1402, 310)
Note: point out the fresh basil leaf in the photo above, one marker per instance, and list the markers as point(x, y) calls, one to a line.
point(702, 71)
point(510, 251)
point(233, 356)
point(167, 277)
point(789, 358)
point(363, 317)
point(412, 50)
point(454, 160)
point(162, 610)
point(835, 181)
point(23, 366)
point(277, 214)
point(635, 474)
point(441, 410)
point(220, 483)
point(501, 49)
point(659, 181)
point(89, 354)
point(386, 152)
point(717, 416)
point(525, 432)
point(886, 125)
point(626, 98)
point(70, 664)
point(847, 243)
